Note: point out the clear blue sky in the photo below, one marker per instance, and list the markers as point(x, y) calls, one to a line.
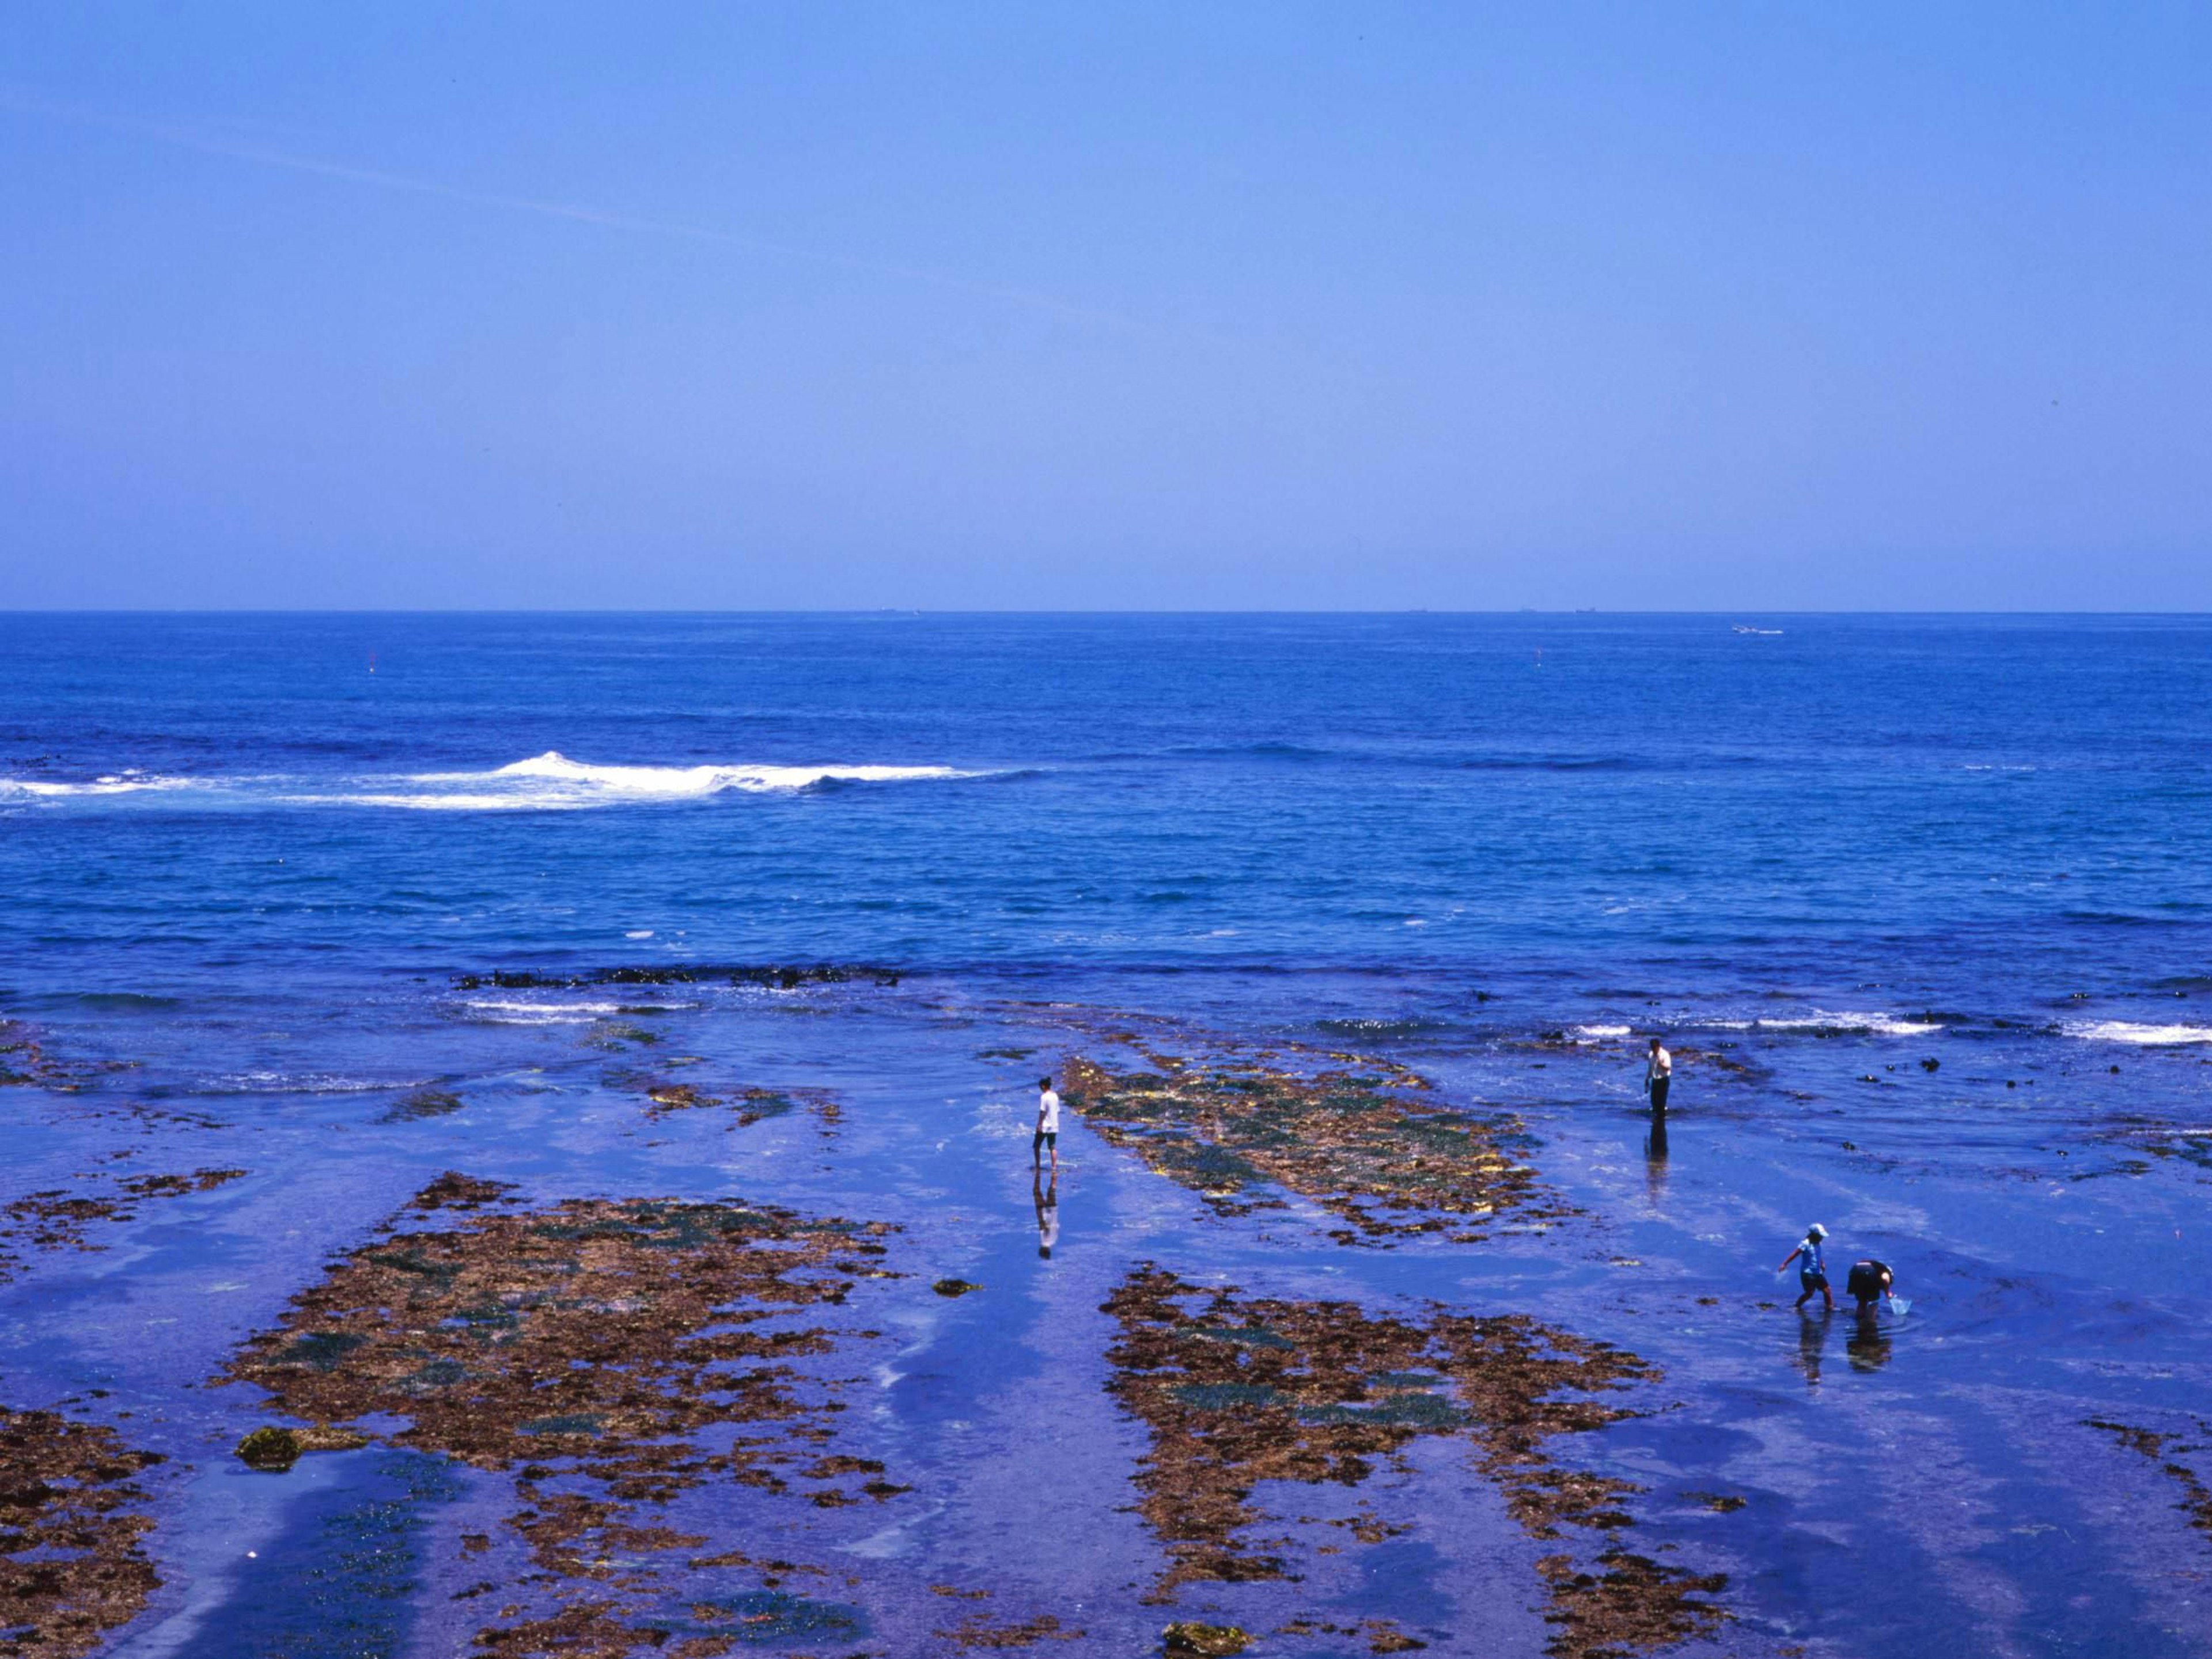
point(1223, 306)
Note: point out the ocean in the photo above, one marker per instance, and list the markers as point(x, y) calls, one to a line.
point(786, 914)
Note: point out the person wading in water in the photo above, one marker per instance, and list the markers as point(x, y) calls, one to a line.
point(1046, 1138)
point(1812, 1266)
point(1658, 1073)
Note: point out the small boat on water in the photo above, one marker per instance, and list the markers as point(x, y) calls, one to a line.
point(1746, 627)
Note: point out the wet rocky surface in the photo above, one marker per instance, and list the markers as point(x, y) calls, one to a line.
point(612, 1355)
point(78, 1218)
point(1198, 1423)
point(72, 1520)
point(1365, 1139)
point(1238, 1390)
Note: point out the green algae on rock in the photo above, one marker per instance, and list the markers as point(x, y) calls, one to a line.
point(1188, 1639)
point(1364, 1144)
point(1236, 1391)
point(71, 1567)
point(604, 1346)
point(270, 1450)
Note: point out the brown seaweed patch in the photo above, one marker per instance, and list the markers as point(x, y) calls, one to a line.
point(580, 1330)
point(1236, 1391)
point(59, 1218)
point(605, 1347)
point(1384, 1635)
point(2196, 1497)
point(70, 1566)
point(977, 1630)
point(2154, 1138)
point(1633, 1604)
point(423, 1102)
point(1718, 1503)
point(1363, 1144)
point(24, 1062)
point(747, 1106)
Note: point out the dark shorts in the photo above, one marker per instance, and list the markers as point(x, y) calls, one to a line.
point(1045, 1138)
point(1811, 1282)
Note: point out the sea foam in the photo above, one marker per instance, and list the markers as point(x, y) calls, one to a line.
point(547, 782)
point(1868, 1025)
point(503, 1011)
point(2121, 1031)
point(552, 780)
point(121, 783)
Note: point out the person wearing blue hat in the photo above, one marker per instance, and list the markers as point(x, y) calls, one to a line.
point(1812, 1266)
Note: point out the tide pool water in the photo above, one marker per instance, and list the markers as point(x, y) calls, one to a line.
point(344, 903)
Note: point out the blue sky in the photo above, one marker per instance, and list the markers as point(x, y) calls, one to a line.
point(1124, 305)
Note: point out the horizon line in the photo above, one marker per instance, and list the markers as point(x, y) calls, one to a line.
point(1044, 611)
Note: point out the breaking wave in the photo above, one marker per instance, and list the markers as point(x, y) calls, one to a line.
point(1857, 1023)
point(547, 782)
point(2121, 1031)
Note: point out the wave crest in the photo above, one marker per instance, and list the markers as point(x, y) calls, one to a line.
point(2146, 1037)
point(550, 781)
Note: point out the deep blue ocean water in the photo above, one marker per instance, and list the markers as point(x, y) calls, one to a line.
point(1996, 810)
point(249, 857)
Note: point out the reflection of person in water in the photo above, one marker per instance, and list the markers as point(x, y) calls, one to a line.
point(1869, 1348)
point(1812, 1338)
point(1655, 1161)
point(1047, 1213)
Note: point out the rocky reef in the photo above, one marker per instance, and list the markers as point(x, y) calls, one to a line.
point(1236, 1391)
point(71, 1520)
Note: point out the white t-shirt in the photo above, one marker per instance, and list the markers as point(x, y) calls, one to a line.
point(1661, 1064)
point(1049, 1112)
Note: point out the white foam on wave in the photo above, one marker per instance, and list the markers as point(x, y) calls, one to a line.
point(547, 782)
point(1872, 1024)
point(119, 783)
point(439, 803)
point(2122, 1031)
point(1596, 1033)
point(509, 1012)
point(579, 779)
point(302, 1083)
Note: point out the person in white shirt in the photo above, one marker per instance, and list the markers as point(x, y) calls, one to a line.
point(1048, 1127)
point(1658, 1073)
